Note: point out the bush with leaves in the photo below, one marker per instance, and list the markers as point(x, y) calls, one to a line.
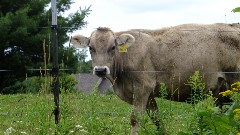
point(210, 118)
point(197, 87)
point(41, 84)
point(67, 82)
point(29, 85)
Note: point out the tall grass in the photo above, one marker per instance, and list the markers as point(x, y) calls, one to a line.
point(88, 114)
point(32, 113)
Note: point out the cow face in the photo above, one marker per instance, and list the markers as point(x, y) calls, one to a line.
point(103, 46)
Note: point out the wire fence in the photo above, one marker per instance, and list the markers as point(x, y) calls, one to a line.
point(172, 28)
point(49, 27)
point(133, 71)
point(36, 70)
point(213, 72)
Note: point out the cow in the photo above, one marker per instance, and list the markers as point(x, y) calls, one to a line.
point(138, 60)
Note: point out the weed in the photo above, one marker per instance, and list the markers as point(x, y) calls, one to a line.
point(197, 87)
point(67, 82)
point(147, 126)
point(163, 90)
point(106, 114)
point(66, 125)
point(212, 120)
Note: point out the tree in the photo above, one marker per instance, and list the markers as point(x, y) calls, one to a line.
point(236, 9)
point(86, 67)
point(74, 60)
point(25, 26)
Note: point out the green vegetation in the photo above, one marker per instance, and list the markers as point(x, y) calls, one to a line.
point(210, 119)
point(25, 29)
point(197, 87)
point(237, 9)
point(41, 84)
point(32, 113)
point(88, 114)
point(83, 114)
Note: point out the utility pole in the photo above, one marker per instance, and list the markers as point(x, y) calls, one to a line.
point(55, 69)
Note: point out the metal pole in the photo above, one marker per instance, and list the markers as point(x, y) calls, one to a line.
point(55, 62)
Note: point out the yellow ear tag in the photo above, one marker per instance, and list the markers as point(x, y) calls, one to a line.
point(123, 48)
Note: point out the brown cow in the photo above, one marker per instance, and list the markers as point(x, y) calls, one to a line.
point(168, 55)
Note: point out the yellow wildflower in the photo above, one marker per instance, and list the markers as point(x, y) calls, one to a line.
point(236, 110)
point(237, 114)
point(226, 93)
point(234, 89)
point(236, 84)
point(238, 134)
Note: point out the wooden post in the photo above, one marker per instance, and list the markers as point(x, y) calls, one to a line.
point(55, 62)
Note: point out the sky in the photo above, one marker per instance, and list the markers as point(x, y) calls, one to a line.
point(120, 15)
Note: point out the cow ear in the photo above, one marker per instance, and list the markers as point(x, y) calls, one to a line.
point(79, 41)
point(127, 39)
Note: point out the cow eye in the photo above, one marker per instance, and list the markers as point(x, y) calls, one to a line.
point(111, 49)
point(91, 49)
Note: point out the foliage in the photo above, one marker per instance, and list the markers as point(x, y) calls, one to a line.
point(67, 124)
point(107, 114)
point(236, 9)
point(206, 117)
point(210, 118)
point(41, 84)
point(18, 87)
point(67, 82)
point(25, 27)
point(29, 85)
point(197, 87)
point(32, 114)
point(163, 90)
point(85, 67)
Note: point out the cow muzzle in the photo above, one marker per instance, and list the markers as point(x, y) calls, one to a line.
point(101, 71)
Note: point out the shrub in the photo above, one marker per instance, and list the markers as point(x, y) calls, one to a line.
point(67, 82)
point(41, 84)
point(213, 120)
point(29, 85)
point(197, 87)
point(18, 87)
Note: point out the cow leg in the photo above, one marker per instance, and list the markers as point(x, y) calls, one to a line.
point(140, 99)
point(220, 88)
point(153, 113)
point(141, 91)
point(217, 85)
point(133, 120)
point(137, 113)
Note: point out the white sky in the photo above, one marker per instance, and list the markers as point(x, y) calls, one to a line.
point(122, 15)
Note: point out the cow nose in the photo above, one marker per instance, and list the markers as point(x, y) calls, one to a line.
point(101, 71)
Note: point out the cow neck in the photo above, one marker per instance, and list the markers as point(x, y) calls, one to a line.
point(117, 66)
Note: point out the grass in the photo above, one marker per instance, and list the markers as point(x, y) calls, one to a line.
point(84, 114)
point(91, 114)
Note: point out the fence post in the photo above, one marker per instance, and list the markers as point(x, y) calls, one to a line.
point(55, 69)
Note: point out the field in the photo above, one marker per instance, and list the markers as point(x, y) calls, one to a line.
point(85, 114)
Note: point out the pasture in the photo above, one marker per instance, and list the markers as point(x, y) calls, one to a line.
point(94, 114)
point(84, 114)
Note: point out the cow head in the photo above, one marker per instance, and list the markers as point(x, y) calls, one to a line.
point(103, 45)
